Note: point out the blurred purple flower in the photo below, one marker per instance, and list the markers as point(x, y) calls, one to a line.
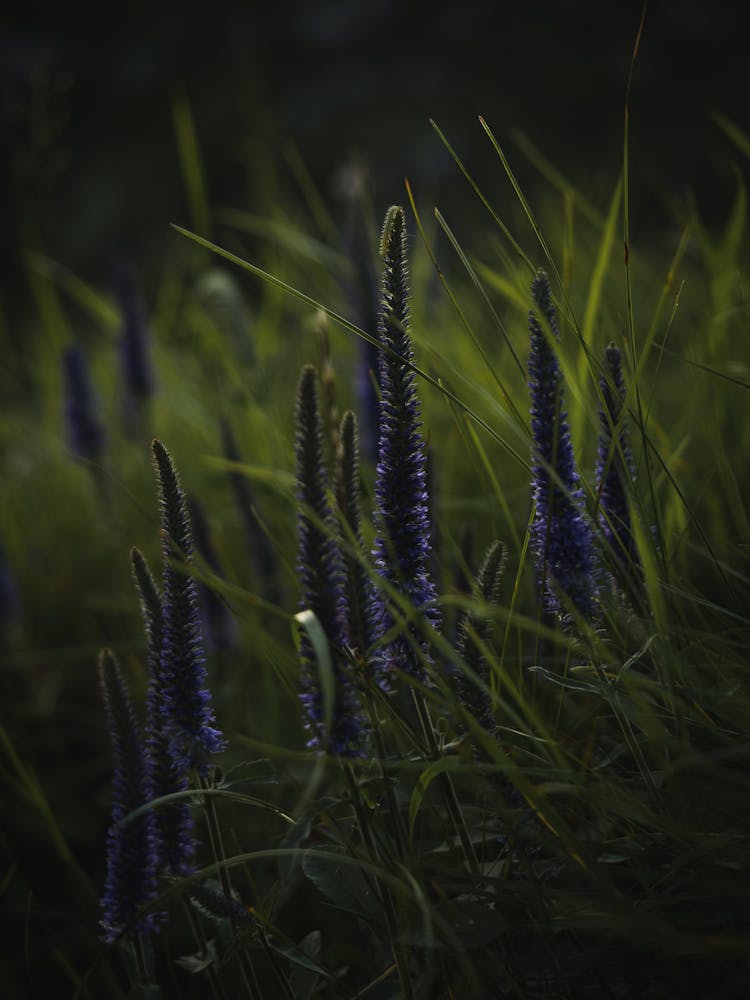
point(85, 433)
point(134, 345)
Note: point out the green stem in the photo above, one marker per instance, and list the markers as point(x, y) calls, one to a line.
point(249, 978)
point(397, 829)
point(140, 959)
point(217, 990)
point(400, 953)
point(451, 799)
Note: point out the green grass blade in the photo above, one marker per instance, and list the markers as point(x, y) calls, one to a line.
point(340, 320)
point(191, 164)
point(739, 137)
point(480, 288)
point(556, 180)
point(498, 221)
point(523, 201)
point(286, 236)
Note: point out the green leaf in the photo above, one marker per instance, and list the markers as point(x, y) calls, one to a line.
point(191, 164)
point(307, 972)
point(256, 772)
point(571, 683)
point(201, 960)
point(343, 884)
point(308, 620)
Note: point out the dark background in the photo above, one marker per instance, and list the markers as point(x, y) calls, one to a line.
point(87, 106)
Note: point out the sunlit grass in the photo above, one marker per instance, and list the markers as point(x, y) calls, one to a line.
point(594, 843)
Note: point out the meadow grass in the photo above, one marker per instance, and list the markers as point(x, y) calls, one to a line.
point(582, 834)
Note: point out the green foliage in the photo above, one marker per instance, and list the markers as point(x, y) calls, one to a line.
point(591, 840)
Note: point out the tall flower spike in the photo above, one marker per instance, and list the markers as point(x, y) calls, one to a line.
point(131, 850)
point(402, 522)
point(85, 432)
point(561, 537)
point(472, 631)
point(615, 470)
point(187, 702)
point(173, 823)
point(361, 597)
point(321, 574)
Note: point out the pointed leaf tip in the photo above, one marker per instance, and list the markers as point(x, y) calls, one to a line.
point(393, 227)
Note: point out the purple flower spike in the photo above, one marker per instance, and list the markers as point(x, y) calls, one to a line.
point(322, 576)
point(402, 521)
point(615, 470)
point(364, 604)
point(187, 702)
point(174, 823)
point(131, 848)
point(561, 537)
point(85, 432)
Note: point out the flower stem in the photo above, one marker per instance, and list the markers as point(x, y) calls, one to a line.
point(451, 799)
point(400, 952)
point(250, 980)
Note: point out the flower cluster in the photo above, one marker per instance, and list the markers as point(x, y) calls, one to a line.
point(180, 735)
point(367, 618)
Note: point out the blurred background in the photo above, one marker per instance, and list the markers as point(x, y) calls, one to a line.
point(87, 106)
